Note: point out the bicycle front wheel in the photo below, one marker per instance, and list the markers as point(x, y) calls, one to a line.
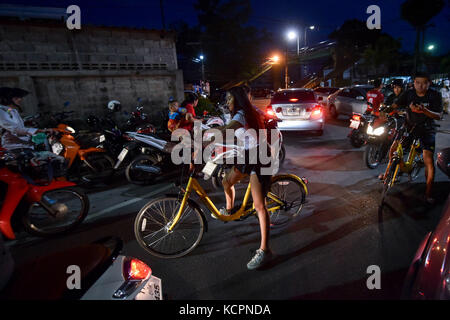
point(388, 182)
point(151, 228)
point(291, 193)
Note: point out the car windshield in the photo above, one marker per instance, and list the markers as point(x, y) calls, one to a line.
point(294, 96)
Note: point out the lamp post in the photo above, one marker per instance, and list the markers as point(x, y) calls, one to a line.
point(310, 28)
point(202, 57)
point(291, 35)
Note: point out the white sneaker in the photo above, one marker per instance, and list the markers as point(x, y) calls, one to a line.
point(260, 258)
point(223, 212)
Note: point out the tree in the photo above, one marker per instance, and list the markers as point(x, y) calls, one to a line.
point(232, 50)
point(385, 51)
point(418, 13)
point(352, 39)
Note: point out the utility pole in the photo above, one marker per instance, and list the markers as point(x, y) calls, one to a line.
point(286, 76)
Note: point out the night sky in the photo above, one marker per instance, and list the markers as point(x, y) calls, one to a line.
point(276, 16)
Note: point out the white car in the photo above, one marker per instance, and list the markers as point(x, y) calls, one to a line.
point(298, 109)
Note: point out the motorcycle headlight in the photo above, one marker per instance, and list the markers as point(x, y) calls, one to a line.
point(377, 132)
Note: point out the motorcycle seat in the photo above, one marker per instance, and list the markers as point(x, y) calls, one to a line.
point(45, 278)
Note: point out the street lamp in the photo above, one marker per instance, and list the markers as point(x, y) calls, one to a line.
point(310, 28)
point(291, 35)
point(202, 57)
point(431, 47)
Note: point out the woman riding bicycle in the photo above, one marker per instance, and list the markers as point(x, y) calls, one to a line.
point(245, 117)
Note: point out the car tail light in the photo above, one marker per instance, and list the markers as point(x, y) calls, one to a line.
point(134, 269)
point(316, 112)
point(293, 100)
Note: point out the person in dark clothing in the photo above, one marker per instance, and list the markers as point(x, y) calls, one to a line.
point(397, 86)
point(423, 106)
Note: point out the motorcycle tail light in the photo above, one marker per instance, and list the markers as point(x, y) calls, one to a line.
point(356, 117)
point(134, 269)
point(270, 112)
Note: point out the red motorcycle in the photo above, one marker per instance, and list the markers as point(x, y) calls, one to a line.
point(43, 209)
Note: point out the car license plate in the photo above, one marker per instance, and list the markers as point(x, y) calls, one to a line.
point(209, 168)
point(292, 112)
point(354, 124)
point(102, 138)
point(151, 291)
point(123, 154)
point(57, 148)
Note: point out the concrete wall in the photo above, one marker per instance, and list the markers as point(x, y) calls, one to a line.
point(88, 67)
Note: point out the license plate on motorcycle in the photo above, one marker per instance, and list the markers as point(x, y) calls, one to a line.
point(102, 138)
point(209, 168)
point(151, 291)
point(123, 154)
point(354, 124)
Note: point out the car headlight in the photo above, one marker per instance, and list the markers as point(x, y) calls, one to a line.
point(377, 132)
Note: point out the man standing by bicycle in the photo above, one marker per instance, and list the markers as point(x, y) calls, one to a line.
point(423, 105)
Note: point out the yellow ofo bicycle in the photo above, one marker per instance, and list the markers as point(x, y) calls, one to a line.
point(397, 165)
point(172, 226)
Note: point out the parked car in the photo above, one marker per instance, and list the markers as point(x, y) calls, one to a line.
point(348, 100)
point(323, 93)
point(298, 109)
point(428, 277)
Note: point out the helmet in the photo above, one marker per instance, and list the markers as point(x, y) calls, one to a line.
point(397, 82)
point(114, 106)
point(7, 94)
point(92, 121)
point(443, 161)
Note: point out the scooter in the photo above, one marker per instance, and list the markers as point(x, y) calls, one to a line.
point(48, 209)
point(86, 160)
point(95, 271)
point(380, 135)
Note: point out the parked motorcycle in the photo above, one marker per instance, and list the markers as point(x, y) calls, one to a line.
point(86, 161)
point(36, 198)
point(105, 275)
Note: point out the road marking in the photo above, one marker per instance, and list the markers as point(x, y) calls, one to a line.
point(127, 203)
point(90, 217)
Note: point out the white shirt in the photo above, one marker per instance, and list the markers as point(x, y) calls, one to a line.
point(445, 92)
point(15, 134)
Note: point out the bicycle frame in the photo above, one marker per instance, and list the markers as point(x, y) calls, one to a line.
point(193, 185)
point(401, 165)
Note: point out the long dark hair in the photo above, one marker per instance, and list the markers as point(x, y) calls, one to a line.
point(241, 102)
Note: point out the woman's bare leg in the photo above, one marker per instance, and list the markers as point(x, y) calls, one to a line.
point(263, 214)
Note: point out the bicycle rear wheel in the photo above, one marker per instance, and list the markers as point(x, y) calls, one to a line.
point(152, 223)
point(292, 193)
